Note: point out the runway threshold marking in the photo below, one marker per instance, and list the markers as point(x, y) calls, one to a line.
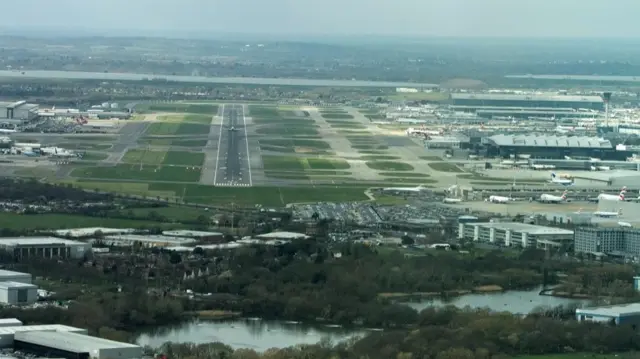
point(215, 173)
point(246, 141)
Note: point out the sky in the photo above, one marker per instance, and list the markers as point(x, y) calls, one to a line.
point(421, 18)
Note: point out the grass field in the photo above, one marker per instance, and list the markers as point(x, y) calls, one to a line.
point(431, 158)
point(379, 157)
point(282, 163)
point(208, 109)
point(288, 131)
point(94, 156)
point(184, 158)
point(336, 115)
point(370, 147)
point(145, 157)
point(57, 221)
point(89, 138)
point(325, 163)
point(279, 149)
point(403, 174)
point(445, 167)
point(166, 142)
point(85, 146)
point(139, 173)
point(191, 117)
point(263, 111)
point(247, 196)
point(299, 143)
point(172, 128)
point(389, 166)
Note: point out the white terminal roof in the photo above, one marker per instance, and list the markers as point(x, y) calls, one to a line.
point(612, 310)
point(192, 234)
point(16, 285)
point(73, 342)
point(282, 235)
point(89, 231)
point(522, 228)
point(15, 241)
point(525, 97)
point(10, 273)
point(550, 141)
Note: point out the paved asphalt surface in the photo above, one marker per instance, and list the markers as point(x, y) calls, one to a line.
point(233, 167)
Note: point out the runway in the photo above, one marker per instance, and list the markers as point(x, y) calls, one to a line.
point(233, 165)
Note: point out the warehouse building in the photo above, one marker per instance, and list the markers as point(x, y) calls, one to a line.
point(11, 276)
point(90, 232)
point(19, 111)
point(512, 234)
point(44, 247)
point(126, 240)
point(614, 241)
point(15, 293)
point(7, 333)
point(528, 101)
point(281, 235)
point(622, 314)
point(199, 235)
point(73, 345)
point(506, 146)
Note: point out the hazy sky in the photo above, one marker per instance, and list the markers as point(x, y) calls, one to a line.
point(512, 18)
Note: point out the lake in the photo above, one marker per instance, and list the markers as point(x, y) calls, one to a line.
point(261, 334)
point(117, 76)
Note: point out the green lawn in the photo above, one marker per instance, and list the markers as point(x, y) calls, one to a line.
point(327, 164)
point(137, 156)
point(282, 163)
point(296, 142)
point(166, 142)
point(57, 221)
point(278, 149)
point(184, 158)
point(389, 166)
point(287, 131)
point(190, 117)
point(139, 173)
point(94, 156)
point(209, 109)
point(263, 111)
point(445, 167)
point(172, 128)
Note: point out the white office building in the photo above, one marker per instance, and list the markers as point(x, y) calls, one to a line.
point(16, 293)
point(512, 234)
point(44, 247)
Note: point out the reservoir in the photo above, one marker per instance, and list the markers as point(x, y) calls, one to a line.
point(261, 335)
point(117, 76)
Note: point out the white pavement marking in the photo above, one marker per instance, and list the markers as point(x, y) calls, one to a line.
point(246, 140)
point(215, 174)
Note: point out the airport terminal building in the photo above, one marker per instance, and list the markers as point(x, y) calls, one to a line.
point(478, 101)
point(544, 146)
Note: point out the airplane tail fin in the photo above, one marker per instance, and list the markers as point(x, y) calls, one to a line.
point(553, 175)
point(564, 195)
point(622, 196)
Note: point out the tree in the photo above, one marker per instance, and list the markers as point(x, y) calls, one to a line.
point(407, 241)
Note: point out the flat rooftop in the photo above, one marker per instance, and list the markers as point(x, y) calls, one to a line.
point(151, 239)
point(526, 97)
point(522, 228)
point(13, 285)
point(612, 310)
point(88, 231)
point(52, 327)
point(16, 241)
point(283, 235)
point(188, 233)
point(71, 341)
point(550, 141)
point(8, 273)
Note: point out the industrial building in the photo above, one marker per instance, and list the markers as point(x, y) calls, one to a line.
point(146, 241)
point(199, 235)
point(90, 232)
point(74, 345)
point(512, 234)
point(479, 100)
point(447, 142)
point(11, 276)
point(7, 332)
point(506, 146)
point(621, 314)
point(45, 247)
point(19, 112)
point(280, 235)
point(614, 241)
point(15, 293)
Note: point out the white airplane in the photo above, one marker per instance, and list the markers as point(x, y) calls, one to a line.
point(613, 197)
point(605, 214)
point(452, 200)
point(4, 130)
point(404, 189)
point(500, 199)
point(563, 181)
point(549, 198)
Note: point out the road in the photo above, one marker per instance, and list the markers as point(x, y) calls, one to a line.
point(233, 166)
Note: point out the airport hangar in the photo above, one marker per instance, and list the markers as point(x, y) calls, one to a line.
point(478, 101)
point(545, 146)
point(17, 113)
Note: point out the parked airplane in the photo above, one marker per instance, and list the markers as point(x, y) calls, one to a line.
point(605, 214)
point(549, 198)
point(562, 181)
point(452, 200)
point(613, 197)
point(500, 199)
point(404, 189)
point(30, 154)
